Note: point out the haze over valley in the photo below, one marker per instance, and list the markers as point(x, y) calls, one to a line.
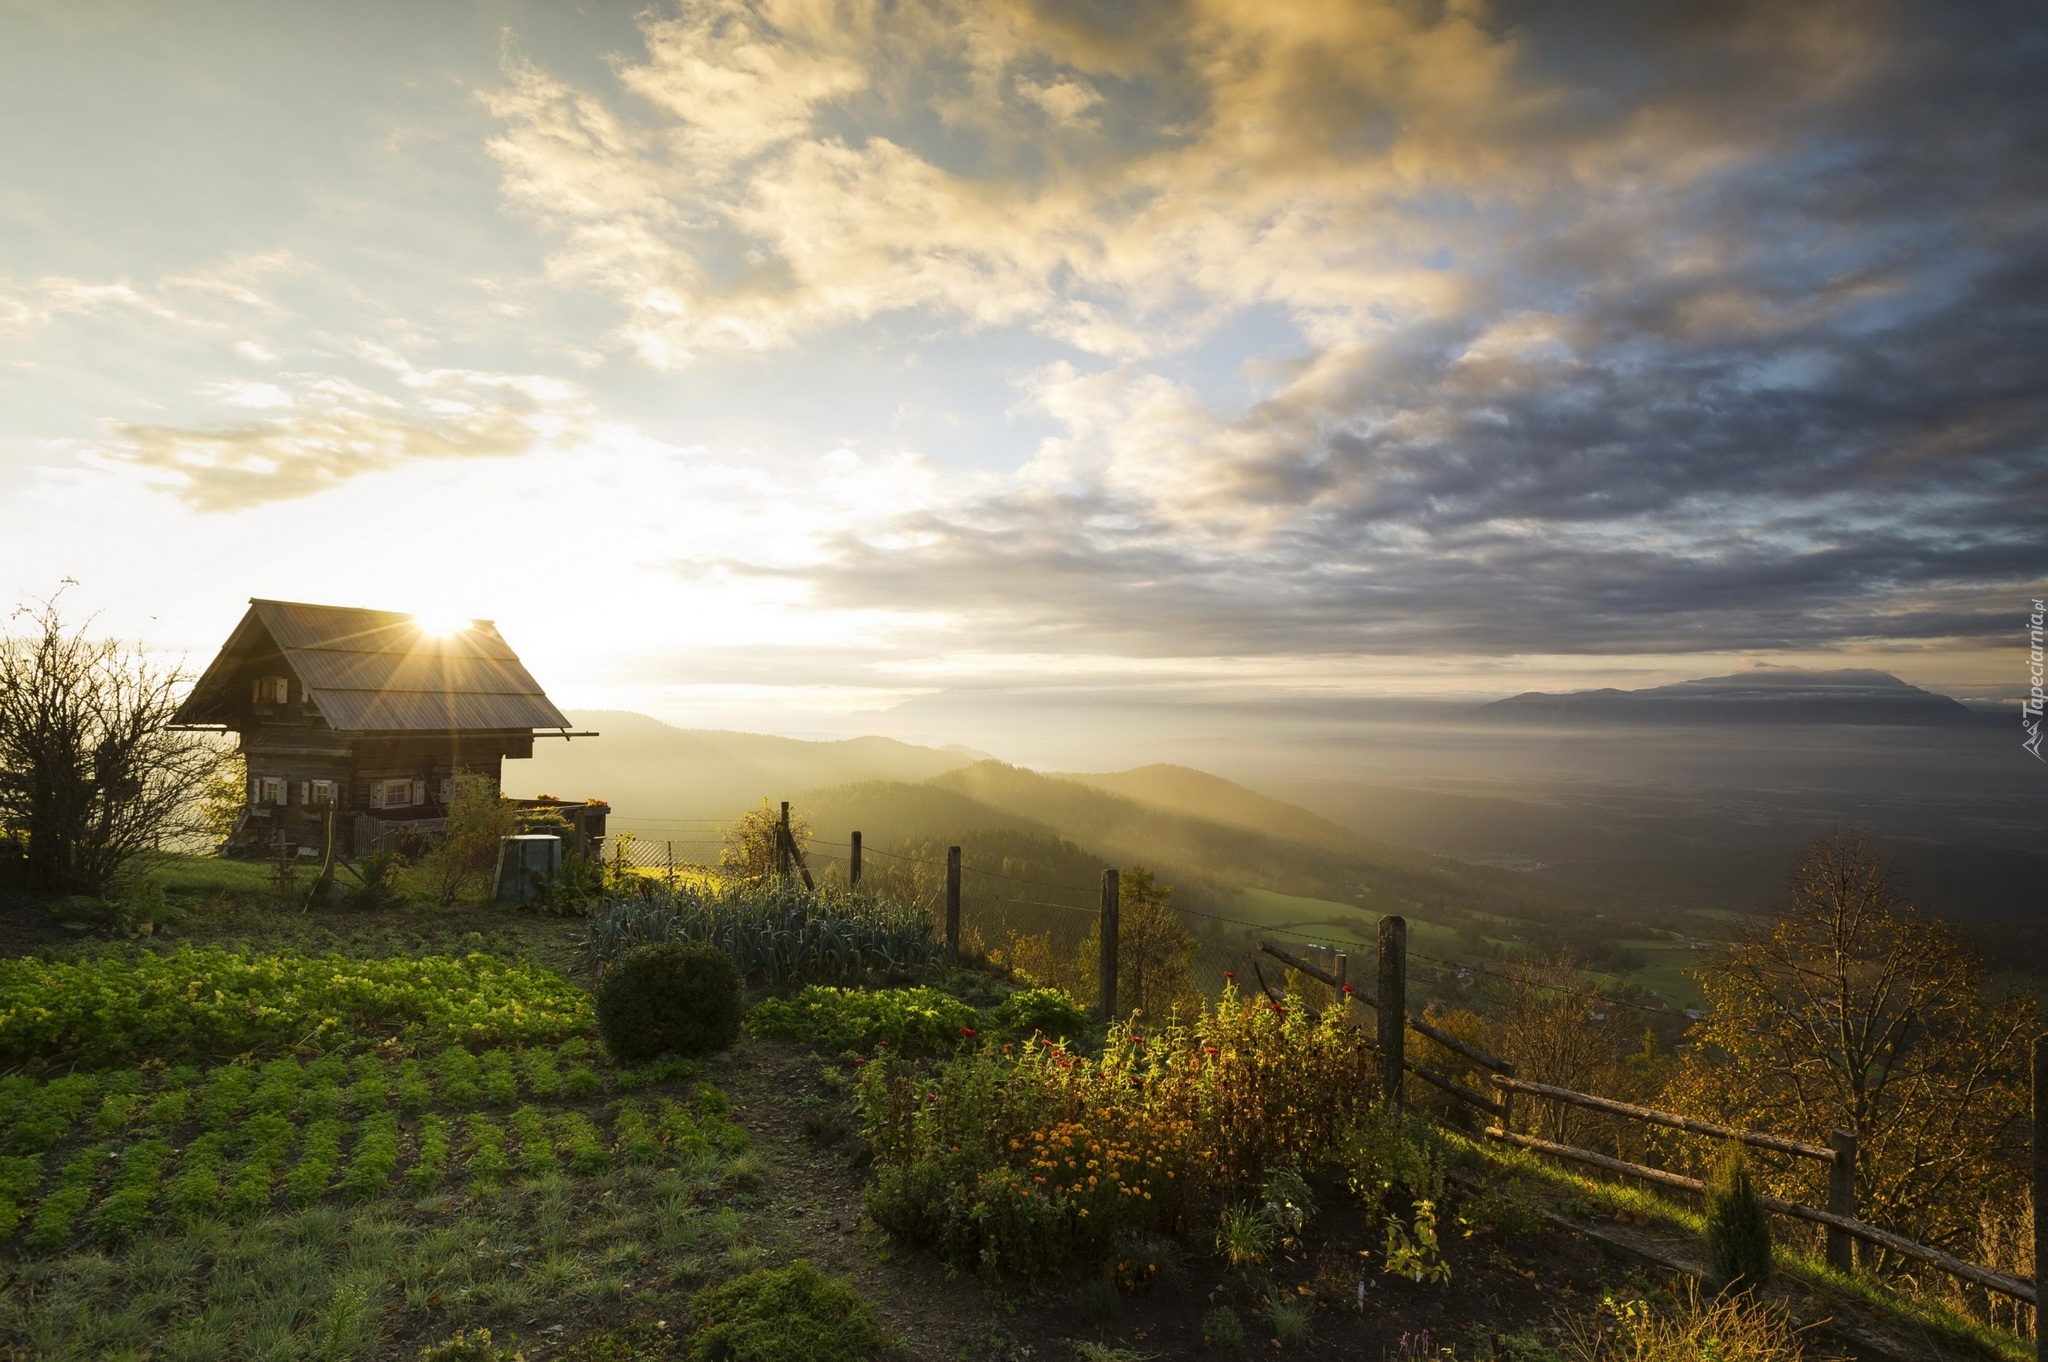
point(1490, 819)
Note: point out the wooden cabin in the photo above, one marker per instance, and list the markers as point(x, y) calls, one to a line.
point(361, 720)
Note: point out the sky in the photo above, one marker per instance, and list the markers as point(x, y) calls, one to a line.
point(832, 368)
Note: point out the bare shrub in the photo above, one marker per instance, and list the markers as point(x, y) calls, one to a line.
point(466, 852)
point(1687, 1329)
point(89, 764)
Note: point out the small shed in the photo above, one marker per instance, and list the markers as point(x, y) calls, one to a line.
point(362, 720)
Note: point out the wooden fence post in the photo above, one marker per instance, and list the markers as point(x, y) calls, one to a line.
point(1393, 1008)
point(671, 867)
point(1842, 1199)
point(1106, 961)
point(853, 862)
point(783, 842)
point(953, 901)
point(2040, 1173)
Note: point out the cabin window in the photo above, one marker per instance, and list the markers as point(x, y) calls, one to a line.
point(393, 794)
point(270, 790)
point(273, 690)
point(323, 792)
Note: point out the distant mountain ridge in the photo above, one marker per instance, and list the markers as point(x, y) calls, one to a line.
point(1765, 695)
point(1207, 836)
point(650, 770)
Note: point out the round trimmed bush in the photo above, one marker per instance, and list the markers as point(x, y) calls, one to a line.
point(669, 997)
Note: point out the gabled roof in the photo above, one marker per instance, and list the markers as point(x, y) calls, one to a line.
point(377, 671)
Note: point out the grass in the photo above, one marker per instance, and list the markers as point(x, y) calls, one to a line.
point(237, 903)
point(152, 1210)
point(235, 1140)
point(1667, 975)
point(324, 1283)
point(1686, 1329)
point(1327, 919)
point(1577, 1191)
point(301, 1232)
point(307, 1205)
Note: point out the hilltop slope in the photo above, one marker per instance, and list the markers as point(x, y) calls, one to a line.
point(1184, 790)
point(990, 808)
point(1207, 836)
point(654, 771)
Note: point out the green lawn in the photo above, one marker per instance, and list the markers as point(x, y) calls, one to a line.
point(205, 876)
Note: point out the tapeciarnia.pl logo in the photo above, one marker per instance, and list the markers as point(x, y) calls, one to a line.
point(2030, 708)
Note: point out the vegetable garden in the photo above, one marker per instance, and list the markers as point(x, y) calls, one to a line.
point(222, 1106)
point(220, 1151)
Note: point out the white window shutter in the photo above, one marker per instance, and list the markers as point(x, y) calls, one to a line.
point(376, 794)
point(419, 792)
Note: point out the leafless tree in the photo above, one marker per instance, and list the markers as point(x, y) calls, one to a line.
point(89, 764)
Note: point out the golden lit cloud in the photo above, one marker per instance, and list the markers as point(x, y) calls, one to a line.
point(330, 429)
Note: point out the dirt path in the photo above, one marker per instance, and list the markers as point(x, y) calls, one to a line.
point(815, 1209)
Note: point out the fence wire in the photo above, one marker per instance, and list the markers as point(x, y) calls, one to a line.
point(1044, 927)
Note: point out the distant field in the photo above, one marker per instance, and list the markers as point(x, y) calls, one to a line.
point(1343, 923)
point(1347, 924)
point(1666, 976)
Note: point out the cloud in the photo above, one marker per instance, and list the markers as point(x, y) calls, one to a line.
point(771, 171)
point(331, 428)
point(1700, 329)
point(198, 299)
point(1336, 328)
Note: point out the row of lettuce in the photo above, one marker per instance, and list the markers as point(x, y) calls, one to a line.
point(107, 1187)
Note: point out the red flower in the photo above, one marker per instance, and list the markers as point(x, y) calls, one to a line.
point(1277, 1009)
point(1347, 990)
point(1229, 975)
point(968, 1031)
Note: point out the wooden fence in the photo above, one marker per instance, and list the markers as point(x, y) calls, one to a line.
point(1393, 1022)
point(1839, 1154)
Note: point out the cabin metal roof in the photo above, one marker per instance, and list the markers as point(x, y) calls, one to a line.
point(378, 671)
